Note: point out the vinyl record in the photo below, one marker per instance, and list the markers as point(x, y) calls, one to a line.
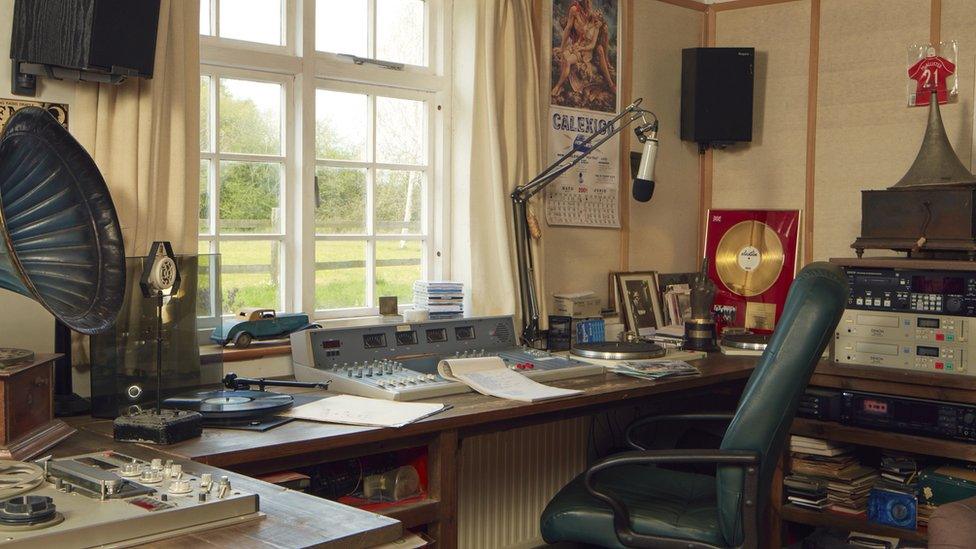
point(749, 258)
point(618, 350)
point(224, 404)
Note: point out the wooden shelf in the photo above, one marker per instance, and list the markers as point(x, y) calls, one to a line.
point(415, 513)
point(792, 513)
point(883, 439)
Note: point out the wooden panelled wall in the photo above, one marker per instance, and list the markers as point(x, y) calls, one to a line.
point(830, 120)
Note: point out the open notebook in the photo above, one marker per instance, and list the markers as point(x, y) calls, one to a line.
point(490, 376)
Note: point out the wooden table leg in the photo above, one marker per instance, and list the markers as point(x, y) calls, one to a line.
point(443, 470)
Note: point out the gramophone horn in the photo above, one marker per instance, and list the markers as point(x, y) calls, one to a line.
point(61, 241)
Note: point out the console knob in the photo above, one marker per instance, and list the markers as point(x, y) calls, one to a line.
point(953, 305)
point(969, 417)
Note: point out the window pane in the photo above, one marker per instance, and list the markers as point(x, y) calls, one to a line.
point(340, 125)
point(250, 117)
point(340, 26)
point(251, 20)
point(397, 267)
point(205, 17)
point(249, 275)
point(398, 201)
point(400, 31)
point(401, 131)
point(342, 201)
point(205, 226)
point(250, 197)
point(205, 127)
point(340, 274)
point(206, 264)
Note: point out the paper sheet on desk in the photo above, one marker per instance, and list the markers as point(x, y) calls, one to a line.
point(371, 412)
point(489, 376)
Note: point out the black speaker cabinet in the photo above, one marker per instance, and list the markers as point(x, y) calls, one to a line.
point(109, 36)
point(716, 94)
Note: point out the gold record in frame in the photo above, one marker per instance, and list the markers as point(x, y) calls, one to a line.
point(749, 258)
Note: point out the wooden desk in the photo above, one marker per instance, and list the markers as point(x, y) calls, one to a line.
point(301, 443)
point(293, 519)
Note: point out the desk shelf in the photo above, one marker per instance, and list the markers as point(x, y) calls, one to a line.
point(792, 513)
point(882, 439)
point(415, 513)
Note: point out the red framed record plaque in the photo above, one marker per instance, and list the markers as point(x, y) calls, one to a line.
point(752, 258)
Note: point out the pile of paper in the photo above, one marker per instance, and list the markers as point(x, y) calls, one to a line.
point(654, 369)
point(848, 481)
point(441, 299)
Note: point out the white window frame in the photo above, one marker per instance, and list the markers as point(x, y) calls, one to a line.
point(301, 75)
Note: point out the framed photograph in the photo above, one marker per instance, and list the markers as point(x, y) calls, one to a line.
point(613, 294)
point(640, 300)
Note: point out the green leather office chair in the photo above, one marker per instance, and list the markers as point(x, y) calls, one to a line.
point(625, 501)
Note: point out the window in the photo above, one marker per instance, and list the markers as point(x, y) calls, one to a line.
point(322, 177)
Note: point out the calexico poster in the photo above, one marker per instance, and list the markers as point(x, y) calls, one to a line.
point(583, 98)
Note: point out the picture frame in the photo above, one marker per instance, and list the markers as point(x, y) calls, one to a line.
point(640, 301)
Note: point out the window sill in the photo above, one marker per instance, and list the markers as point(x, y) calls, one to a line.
point(257, 350)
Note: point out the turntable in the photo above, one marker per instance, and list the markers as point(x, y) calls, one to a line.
point(236, 406)
point(743, 343)
point(619, 350)
point(107, 498)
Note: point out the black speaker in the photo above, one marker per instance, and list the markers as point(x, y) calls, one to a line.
point(100, 40)
point(716, 94)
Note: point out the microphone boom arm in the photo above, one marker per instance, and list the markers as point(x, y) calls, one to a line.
point(531, 333)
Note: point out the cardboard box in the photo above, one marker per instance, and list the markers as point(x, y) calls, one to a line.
point(578, 305)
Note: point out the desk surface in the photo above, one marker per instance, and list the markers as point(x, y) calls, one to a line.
point(293, 519)
point(471, 413)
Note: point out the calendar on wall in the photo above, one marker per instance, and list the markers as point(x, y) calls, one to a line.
point(584, 57)
point(588, 194)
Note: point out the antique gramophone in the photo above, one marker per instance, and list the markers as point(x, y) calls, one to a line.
point(61, 246)
point(930, 211)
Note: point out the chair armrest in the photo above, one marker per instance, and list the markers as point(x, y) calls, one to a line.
point(745, 459)
point(649, 420)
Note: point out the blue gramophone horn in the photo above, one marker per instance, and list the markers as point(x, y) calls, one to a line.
point(61, 240)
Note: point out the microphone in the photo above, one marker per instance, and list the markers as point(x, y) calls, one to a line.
point(643, 187)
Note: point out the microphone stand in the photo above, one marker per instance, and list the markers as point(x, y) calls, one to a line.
point(532, 335)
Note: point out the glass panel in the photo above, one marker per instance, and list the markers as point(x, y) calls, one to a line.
point(251, 20)
point(250, 117)
point(340, 26)
point(341, 121)
point(398, 265)
point(340, 274)
point(249, 197)
point(398, 200)
point(205, 226)
point(250, 275)
point(401, 131)
point(205, 271)
point(205, 122)
point(400, 31)
point(205, 17)
point(342, 201)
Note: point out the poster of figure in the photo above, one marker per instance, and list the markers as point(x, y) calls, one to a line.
point(584, 55)
point(583, 63)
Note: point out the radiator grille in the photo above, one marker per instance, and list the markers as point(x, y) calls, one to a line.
point(507, 478)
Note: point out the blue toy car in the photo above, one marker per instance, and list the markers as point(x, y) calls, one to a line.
point(259, 324)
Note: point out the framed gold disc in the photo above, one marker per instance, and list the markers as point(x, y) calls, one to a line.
point(749, 258)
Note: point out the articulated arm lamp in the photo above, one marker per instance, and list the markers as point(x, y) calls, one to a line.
point(531, 333)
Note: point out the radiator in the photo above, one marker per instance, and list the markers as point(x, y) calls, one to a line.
point(506, 479)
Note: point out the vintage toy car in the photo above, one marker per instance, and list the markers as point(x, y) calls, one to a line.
point(259, 324)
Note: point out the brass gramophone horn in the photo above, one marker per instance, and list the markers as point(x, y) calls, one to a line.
point(936, 163)
point(61, 240)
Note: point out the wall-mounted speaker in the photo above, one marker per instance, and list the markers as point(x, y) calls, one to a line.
point(97, 40)
point(716, 94)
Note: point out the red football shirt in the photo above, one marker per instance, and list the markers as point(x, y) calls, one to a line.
point(931, 73)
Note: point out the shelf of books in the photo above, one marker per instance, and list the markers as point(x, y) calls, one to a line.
point(883, 439)
point(836, 483)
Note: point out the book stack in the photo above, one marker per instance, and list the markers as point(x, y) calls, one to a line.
point(899, 472)
point(806, 491)
point(441, 299)
point(848, 481)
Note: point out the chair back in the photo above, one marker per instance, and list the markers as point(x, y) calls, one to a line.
point(762, 421)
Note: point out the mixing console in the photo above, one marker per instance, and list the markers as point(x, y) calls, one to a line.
point(399, 362)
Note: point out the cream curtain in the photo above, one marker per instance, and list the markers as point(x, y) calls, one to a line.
point(498, 144)
point(144, 136)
